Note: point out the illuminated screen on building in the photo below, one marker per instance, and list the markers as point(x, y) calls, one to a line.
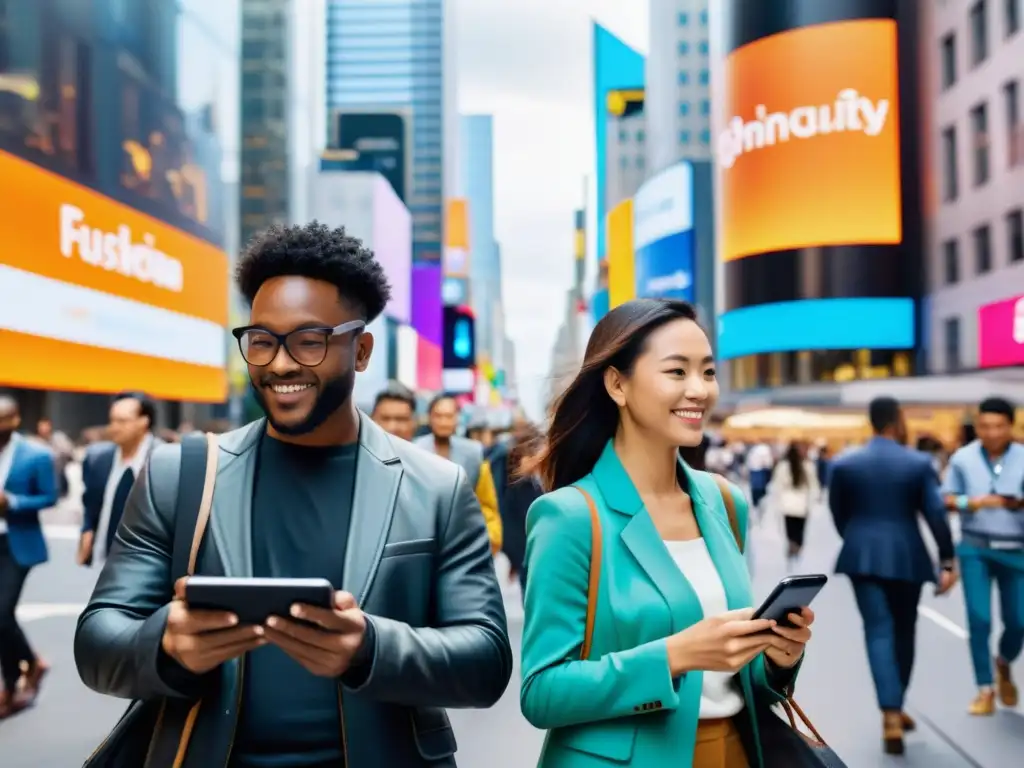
point(459, 338)
point(818, 217)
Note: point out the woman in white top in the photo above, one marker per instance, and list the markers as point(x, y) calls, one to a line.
point(794, 489)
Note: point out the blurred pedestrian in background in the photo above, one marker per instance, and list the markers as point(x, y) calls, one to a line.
point(517, 490)
point(876, 493)
point(443, 418)
point(984, 484)
point(395, 411)
point(794, 492)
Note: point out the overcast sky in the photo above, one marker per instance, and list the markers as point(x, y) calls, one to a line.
point(528, 63)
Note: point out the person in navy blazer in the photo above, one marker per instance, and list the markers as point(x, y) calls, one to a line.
point(28, 485)
point(876, 493)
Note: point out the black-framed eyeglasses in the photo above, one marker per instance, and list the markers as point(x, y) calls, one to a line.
point(306, 346)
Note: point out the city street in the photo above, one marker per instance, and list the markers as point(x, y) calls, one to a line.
point(835, 686)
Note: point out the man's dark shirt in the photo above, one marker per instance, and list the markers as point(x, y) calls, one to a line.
point(302, 504)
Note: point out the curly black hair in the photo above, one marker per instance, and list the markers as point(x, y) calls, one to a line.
point(316, 251)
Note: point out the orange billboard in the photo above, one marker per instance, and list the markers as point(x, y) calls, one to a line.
point(98, 297)
point(807, 143)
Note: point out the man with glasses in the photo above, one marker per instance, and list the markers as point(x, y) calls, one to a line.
point(984, 484)
point(316, 490)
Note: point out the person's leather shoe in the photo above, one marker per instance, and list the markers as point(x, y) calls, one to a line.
point(909, 723)
point(984, 704)
point(1005, 686)
point(892, 733)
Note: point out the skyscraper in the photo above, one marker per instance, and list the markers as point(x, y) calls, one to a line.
point(390, 55)
point(476, 136)
point(264, 188)
point(677, 103)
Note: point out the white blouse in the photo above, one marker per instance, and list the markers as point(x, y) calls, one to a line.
point(720, 694)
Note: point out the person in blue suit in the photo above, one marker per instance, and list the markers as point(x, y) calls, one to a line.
point(876, 493)
point(28, 485)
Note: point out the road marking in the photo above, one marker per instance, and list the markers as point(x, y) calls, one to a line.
point(37, 611)
point(63, 532)
point(947, 624)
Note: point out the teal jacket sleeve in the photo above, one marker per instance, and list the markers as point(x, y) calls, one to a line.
point(773, 683)
point(558, 688)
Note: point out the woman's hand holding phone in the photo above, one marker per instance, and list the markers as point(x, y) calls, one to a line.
point(723, 643)
point(787, 643)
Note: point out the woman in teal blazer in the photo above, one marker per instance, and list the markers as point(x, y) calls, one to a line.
point(640, 698)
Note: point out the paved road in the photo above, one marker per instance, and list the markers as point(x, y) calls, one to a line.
point(835, 687)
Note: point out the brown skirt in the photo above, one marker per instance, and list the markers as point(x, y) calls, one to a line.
point(718, 745)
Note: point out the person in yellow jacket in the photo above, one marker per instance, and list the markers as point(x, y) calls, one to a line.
point(443, 418)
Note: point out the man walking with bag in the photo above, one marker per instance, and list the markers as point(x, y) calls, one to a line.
point(316, 490)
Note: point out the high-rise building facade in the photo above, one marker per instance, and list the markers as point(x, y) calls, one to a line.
point(626, 163)
point(392, 55)
point(265, 187)
point(678, 83)
point(974, 226)
point(476, 136)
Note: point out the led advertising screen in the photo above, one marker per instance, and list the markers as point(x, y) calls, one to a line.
point(392, 245)
point(1001, 333)
point(375, 141)
point(459, 338)
point(808, 140)
point(663, 235)
point(98, 297)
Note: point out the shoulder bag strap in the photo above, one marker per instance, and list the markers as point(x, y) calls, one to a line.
point(199, 455)
point(730, 508)
point(594, 584)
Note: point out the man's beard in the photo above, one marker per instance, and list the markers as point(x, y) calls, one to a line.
point(333, 394)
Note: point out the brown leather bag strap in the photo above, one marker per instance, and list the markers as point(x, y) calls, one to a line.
point(594, 584)
point(206, 504)
point(203, 518)
point(730, 508)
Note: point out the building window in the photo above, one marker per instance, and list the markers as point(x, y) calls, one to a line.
point(623, 162)
point(980, 142)
point(703, 18)
point(948, 60)
point(705, 77)
point(641, 136)
point(684, 77)
point(983, 249)
point(705, 137)
point(702, 47)
point(684, 137)
point(623, 136)
point(979, 32)
point(1015, 234)
point(950, 171)
point(1011, 17)
point(640, 163)
point(684, 48)
point(705, 107)
point(951, 261)
point(951, 342)
point(1014, 128)
point(684, 108)
point(684, 19)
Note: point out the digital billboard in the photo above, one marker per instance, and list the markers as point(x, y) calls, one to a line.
point(1001, 333)
point(818, 213)
point(375, 140)
point(621, 281)
point(98, 297)
point(459, 338)
point(663, 235)
point(392, 246)
point(809, 153)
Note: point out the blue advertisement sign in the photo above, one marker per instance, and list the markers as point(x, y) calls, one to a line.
point(663, 236)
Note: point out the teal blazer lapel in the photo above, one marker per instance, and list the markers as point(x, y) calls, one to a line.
point(641, 538)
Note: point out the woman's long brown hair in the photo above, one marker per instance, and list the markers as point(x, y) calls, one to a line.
point(584, 417)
